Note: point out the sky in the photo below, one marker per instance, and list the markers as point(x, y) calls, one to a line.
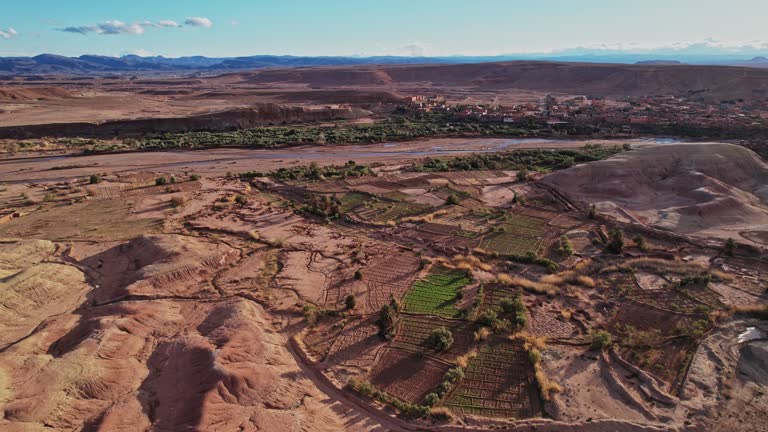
point(223, 28)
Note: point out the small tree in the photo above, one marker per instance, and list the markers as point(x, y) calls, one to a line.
point(616, 242)
point(639, 242)
point(432, 399)
point(389, 318)
point(440, 339)
point(350, 302)
point(522, 174)
point(730, 246)
point(600, 339)
point(160, 181)
point(94, 179)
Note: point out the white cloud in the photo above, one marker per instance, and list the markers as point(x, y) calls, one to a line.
point(199, 22)
point(168, 23)
point(115, 27)
point(141, 52)
point(414, 49)
point(235, 23)
point(8, 34)
point(707, 46)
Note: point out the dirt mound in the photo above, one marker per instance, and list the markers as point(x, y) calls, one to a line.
point(158, 266)
point(707, 190)
point(33, 93)
point(31, 290)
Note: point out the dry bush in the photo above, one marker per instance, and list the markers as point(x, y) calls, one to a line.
point(177, 201)
point(424, 218)
point(528, 285)
point(482, 334)
point(480, 251)
point(585, 281)
point(722, 276)
point(441, 413)
point(530, 341)
point(463, 266)
point(662, 265)
point(463, 360)
point(571, 277)
point(759, 311)
point(470, 261)
point(546, 385)
point(566, 313)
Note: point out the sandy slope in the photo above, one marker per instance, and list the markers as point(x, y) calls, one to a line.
point(704, 190)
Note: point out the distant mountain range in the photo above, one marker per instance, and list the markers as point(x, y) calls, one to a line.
point(93, 64)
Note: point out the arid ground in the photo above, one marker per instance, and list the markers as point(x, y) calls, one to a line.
point(413, 286)
point(290, 257)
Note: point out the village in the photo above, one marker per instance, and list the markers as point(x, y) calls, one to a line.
point(627, 113)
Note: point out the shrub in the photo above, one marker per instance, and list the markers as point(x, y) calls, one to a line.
point(358, 275)
point(241, 200)
point(177, 201)
point(522, 174)
point(600, 339)
point(432, 399)
point(730, 246)
point(440, 339)
point(592, 212)
point(160, 181)
point(454, 374)
point(350, 302)
point(515, 307)
point(482, 334)
point(566, 249)
point(487, 318)
point(453, 199)
point(389, 318)
point(639, 242)
point(616, 243)
point(194, 177)
point(94, 179)
point(441, 413)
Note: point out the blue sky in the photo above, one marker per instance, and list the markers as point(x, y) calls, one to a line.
point(392, 27)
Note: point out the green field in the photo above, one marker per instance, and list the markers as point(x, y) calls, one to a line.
point(519, 235)
point(437, 294)
point(505, 243)
point(352, 200)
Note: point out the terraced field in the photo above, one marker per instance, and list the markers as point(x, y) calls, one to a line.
point(506, 243)
point(353, 200)
point(493, 294)
point(415, 329)
point(438, 293)
point(499, 382)
point(383, 212)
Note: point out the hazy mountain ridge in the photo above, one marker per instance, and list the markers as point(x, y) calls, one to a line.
point(94, 64)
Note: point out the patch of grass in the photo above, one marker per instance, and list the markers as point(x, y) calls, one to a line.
point(438, 293)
